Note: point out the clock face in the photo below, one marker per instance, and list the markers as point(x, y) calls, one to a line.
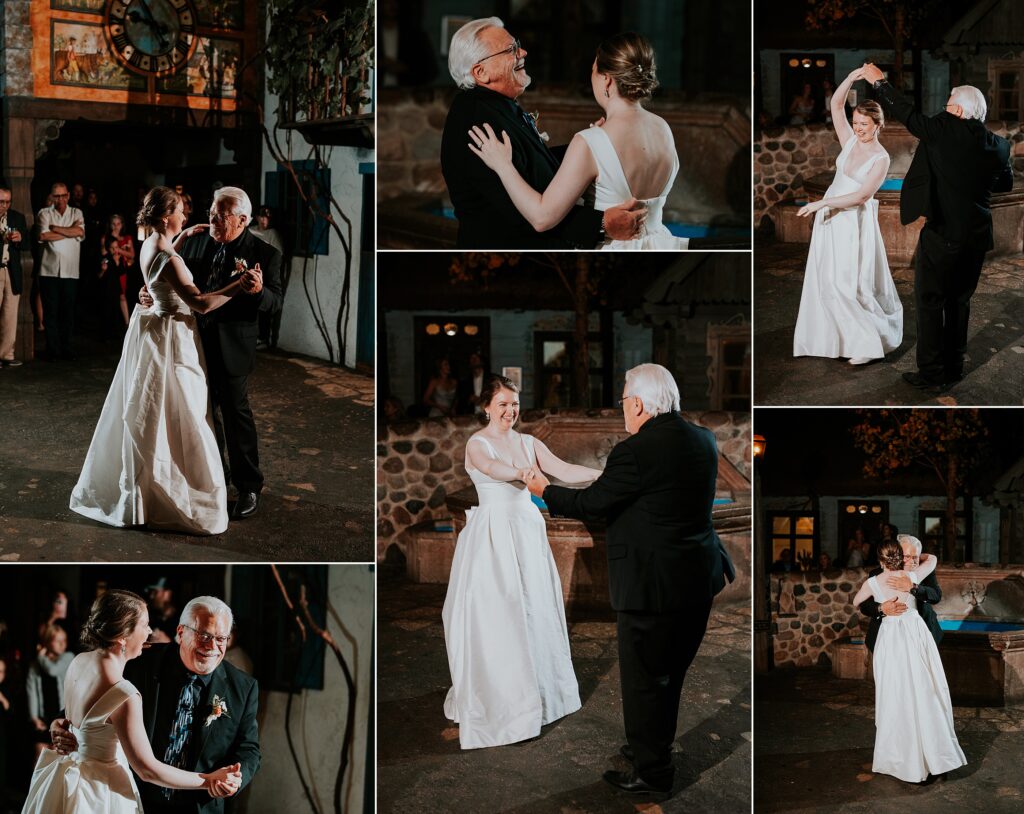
point(151, 37)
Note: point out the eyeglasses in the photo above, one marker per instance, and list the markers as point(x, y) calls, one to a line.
point(207, 638)
point(217, 217)
point(621, 400)
point(65, 195)
point(513, 49)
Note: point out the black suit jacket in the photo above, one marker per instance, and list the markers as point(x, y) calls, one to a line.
point(487, 217)
point(232, 738)
point(927, 594)
point(656, 494)
point(15, 220)
point(958, 164)
point(235, 324)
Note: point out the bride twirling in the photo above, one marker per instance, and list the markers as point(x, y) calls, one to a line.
point(504, 621)
point(849, 306)
point(631, 154)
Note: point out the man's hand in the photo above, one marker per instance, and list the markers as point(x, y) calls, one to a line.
point(63, 741)
point(196, 229)
point(14, 237)
point(893, 607)
point(623, 222)
point(144, 299)
point(252, 280)
point(598, 123)
point(899, 582)
point(872, 74)
point(537, 483)
point(228, 786)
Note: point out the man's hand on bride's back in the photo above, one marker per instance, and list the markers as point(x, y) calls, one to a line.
point(624, 222)
point(63, 741)
point(145, 300)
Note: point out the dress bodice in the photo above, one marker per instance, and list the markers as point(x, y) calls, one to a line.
point(612, 188)
point(491, 491)
point(843, 182)
point(883, 593)
point(96, 736)
point(166, 301)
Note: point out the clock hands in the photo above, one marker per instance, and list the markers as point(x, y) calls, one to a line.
point(158, 28)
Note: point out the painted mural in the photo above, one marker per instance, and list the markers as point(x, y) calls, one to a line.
point(221, 13)
point(80, 57)
point(212, 71)
point(88, 6)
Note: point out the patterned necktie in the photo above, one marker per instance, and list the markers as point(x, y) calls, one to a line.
point(530, 121)
point(177, 747)
point(213, 282)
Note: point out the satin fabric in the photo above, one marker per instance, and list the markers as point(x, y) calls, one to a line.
point(94, 780)
point(849, 306)
point(612, 188)
point(154, 459)
point(914, 732)
point(504, 621)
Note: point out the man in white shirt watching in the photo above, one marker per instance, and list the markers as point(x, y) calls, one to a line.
point(61, 230)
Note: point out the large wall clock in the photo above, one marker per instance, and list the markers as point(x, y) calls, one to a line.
point(151, 37)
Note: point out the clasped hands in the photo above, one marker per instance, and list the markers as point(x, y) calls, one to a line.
point(534, 480)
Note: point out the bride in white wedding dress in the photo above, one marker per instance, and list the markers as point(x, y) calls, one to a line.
point(153, 459)
point(849, 306)
point(631, 155)
point(105, 711)
point(914, 733)
point(504, 620)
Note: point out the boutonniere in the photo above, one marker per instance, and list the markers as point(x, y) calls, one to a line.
point(240, 267)
point(218, 707)
point(535, 116)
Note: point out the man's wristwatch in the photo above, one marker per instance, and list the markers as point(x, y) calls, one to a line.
point(604, 229)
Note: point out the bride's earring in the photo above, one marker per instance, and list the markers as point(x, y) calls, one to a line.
point(607, 95)
point(487, 416)
point(123, 649)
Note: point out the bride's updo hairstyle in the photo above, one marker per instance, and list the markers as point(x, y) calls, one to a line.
point(873, 111)
point(493, 385)
point(629, 60)
point(114, 615)
point(890, 556)
point(158, 204)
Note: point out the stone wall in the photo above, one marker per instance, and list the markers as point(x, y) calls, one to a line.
point(421, 462)
point(785, 156)
point(710, 138)
point(15, 49)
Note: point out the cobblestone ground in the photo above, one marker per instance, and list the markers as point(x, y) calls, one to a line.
point(421, 768)
point(315, 425)
point(815, 738)
point(994, 373)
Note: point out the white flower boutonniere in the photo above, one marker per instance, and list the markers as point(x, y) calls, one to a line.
point(535, 115)
point(240, 267)
point(218, 707)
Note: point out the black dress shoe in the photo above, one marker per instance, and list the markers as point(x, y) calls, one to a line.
point(634, 784)
point(626, 751)
point(923, 382)
point(246, 505)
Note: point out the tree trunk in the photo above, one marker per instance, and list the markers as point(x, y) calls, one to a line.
point(897, 63)
point(950, 524)
point(581, 364)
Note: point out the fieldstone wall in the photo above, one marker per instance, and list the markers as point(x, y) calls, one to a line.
point(421, 462)
point(785, 156)
point(15, 49)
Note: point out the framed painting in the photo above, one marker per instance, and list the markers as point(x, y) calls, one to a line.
point(80, 58)
point(212, 71)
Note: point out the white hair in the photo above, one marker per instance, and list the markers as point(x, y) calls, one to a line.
point(971, 100)
point(241, 204)
point(909, 538)
point(655, 386)
point(211, 604)
point(466, 50)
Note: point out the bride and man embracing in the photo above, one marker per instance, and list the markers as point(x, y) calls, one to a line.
point(155, 459)
point(176, 717)
point(511, 191)
point(849, 307)
point(504, 619)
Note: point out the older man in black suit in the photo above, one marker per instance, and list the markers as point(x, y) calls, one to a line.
point(927, 593)
point(665, 561)
point(13, 231)
point(229, 333)
point(489, 66)
point(190, 682)
point(956, 168)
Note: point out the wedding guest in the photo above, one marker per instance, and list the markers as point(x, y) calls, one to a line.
point(61, 230)
point(824, 561)
point(801, 109)
point(57, 613)
point(163, 614)
point(269, 323)
point(186, 206)
point(473, 385)
point(35, 296)
point(6, 695)
point(78, 196)
point(118, 257)
point(13, 231)
point(394, 410)
point(441, 391)
point(44, 685)
point(828, 89)
point(784, 564)
point(236, 655)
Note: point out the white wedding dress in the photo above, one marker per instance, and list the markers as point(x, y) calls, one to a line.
point(849, 306)
point(154, 459)
point(914, 734)
point(504, 622)
point(94, 780)
point(612, 188)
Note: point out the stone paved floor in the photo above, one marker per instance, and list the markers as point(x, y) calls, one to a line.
point(421, 768)
point(994, 369)
point(315, 425)
point(815, 738)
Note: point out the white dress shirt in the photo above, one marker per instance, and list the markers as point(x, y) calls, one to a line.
point(60, 257)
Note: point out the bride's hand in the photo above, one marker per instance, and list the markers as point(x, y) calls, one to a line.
point(856, 73)
point(224, 781)
point(494, 152)
point(809, 209)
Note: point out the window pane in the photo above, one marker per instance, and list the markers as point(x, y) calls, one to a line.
point(932, 525)
point(596, 386)
point(779, 544)
point(780, 525)
point(734, 354)
point(805, 525)
point(804, 548)
point(555, 354)
point(595, 351)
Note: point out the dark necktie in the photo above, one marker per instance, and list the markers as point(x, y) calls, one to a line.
point(530, 121)
point(220, 259)
point(181, 729)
